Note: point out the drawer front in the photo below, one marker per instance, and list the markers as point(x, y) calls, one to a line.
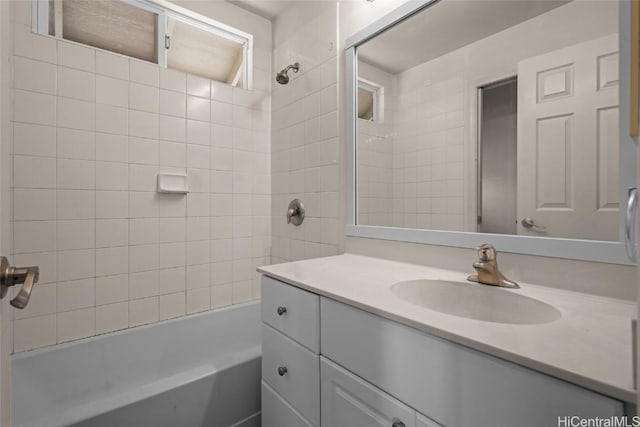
point(278, 413)
point(348, 401)
point(300, 383)
point(453, 384)
point(292, 311)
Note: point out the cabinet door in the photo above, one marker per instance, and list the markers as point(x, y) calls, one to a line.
point(278, 413)
point(349, 401)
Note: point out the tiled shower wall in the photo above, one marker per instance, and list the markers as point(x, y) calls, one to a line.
point(91, 132)
point(305, 132)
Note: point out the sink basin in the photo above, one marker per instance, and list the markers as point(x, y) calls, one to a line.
point(475, 301)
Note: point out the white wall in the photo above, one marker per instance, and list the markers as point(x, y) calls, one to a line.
point(305, 147)
point(91, 132)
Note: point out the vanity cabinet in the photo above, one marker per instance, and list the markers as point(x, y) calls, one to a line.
point(368, 371)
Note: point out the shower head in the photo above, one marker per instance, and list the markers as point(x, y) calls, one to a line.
point(282, 76)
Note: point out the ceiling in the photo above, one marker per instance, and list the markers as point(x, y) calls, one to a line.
point(266, 8)
point(448, 25)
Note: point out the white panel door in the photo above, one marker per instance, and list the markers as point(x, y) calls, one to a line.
point(568, 142)
point(348, 401)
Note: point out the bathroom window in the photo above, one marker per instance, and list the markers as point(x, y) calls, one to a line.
point(369, 100)
point(166, 35)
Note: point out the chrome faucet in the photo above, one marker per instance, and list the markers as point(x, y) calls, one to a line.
point(487, 268)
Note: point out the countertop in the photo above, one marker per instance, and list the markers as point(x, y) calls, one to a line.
point(590, 345)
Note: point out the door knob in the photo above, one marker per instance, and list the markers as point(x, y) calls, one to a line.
point(531, 224)
point(11, 276)
point(398, 423)
point(282, 371)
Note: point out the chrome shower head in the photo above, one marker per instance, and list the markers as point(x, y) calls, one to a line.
point(282, 76)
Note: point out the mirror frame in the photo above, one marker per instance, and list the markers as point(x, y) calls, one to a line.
point(590, 250)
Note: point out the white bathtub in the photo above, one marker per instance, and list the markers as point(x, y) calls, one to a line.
point(196, 371)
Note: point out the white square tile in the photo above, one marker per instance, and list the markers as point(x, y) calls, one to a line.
point(76, 234)
point(173, 80)
point(76, 114)
point(198, 300)
point(34, 172)
point(172, 230)
point(221, 227)
point(173, 129)
point(34, 236)
point(198, 86)
point(221, 295)
point(34, 333)
point(173, 103)
point(221, 273)
point(76, 204)
point(143, 177)
point(144, 72)
point(172, 255)
point(143, 231)
point(75, 325)
point(34, 204)
point(197, 253)
point(198, 204)
point(221, 159)
point(198, 229)
point(221, 113)
point(112, 261)
point(112, 232)
point(173, 154)
point(112, 65)
point(76, 84)
point(31, 107)
point(198, 276)
point(143, 97)
point(242, 97)
point(143, 284)
point(112, 317)
point(143, 311)
point(143, 124)
point(112, 289)
point(172, 205)
point(197, 156)
point(73, 265)
point(198, 109)
point(34, 45)
point(143, 151)
point(35, 76)
point(75, 56)
point(110, 119)
point(172, 305)
point(112, 91)
point(242, 291)
point(76, 144)
point(199, 180)
point(197, 132)
point(111, 204)
point(172, 280)
point(242, 117)
point(221, 92)
point(221, 136)
point(143, 204)
point(112, 148)
point(76, 174)
point(76, 294)
point(112, 176)
point(143, 258)
point(34, 140)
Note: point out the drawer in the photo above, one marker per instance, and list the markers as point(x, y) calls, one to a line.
point(278, 413)
point(300, 321)
point(454, 385)
point(349, 401)
point(300, 384)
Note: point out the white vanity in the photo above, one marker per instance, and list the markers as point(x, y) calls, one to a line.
point(341, 348)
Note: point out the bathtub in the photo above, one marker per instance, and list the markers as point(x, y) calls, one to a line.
point(196, 371)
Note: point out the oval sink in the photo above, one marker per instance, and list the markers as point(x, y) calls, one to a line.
point(475, 301)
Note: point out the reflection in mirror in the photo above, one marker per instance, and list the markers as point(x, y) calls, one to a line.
point(500, 117)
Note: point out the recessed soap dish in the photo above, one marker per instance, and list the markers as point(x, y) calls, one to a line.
point(172, 183)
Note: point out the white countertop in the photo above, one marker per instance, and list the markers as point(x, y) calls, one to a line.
point(590, 345)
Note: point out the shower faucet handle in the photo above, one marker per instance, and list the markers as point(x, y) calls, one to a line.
point(295, 212)
point(11, 276)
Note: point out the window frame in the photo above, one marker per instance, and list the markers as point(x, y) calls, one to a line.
point(164, 10)
point(376, 92)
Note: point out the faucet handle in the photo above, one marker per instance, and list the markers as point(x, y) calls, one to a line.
point(486, 252)
point(10, 276)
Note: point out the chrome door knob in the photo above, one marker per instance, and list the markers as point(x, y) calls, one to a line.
point(531, 224)
point(282, 371)
point(282, 310)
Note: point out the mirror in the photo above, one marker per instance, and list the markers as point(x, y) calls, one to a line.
point(500, 117)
